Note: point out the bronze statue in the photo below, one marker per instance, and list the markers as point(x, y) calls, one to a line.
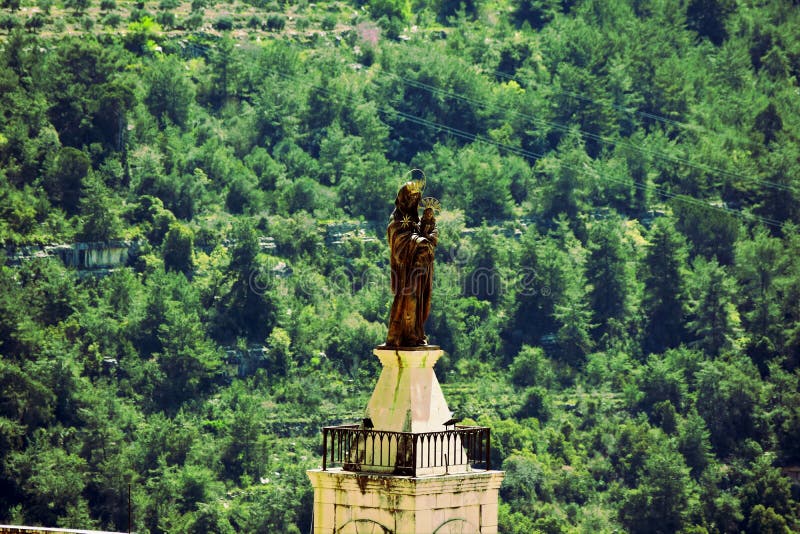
point(412, 243)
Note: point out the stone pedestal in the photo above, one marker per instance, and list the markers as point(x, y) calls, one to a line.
point(408, 473)
point(350, 503)
point(407, 397)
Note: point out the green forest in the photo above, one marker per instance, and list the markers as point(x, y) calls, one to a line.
point(617, 282)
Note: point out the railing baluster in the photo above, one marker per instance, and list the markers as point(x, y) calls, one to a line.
point(324, 447)
point(488, 450)
point(335, 445)
point(414, 451)
point(372, 439)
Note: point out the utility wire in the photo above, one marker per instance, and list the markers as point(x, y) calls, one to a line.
point(596, 137)
point(533, 155)
point(603, 139)
point(529, 154)
point(643, 114)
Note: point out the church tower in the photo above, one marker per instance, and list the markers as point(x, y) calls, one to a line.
point(408, 467)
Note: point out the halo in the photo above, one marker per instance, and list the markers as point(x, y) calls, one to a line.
point(433, 203)
point(418, 185)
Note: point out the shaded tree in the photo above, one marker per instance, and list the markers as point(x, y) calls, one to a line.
point(660, 502)
point(711, 232)
point(707, 18)
point(65, 179)
point(610, 277)
point(728, 399)
point(75, 79)
point(713, 317)
point(760, 264)
point(170, 93)
point(694, 443)
point(178, 249)
point(566, 188)
point(664, 287)
point(100, 221)
point(248, 310)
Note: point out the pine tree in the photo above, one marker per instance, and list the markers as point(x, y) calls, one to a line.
point(178, 247)
point(665, 267)
point(660, 501)
point(760, 266)
point(608, 270)
point(714, 319)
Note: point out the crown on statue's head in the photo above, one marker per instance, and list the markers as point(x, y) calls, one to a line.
point(417, 185)
point(433, 203)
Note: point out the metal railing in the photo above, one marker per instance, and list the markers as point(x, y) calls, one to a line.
point(405, 453)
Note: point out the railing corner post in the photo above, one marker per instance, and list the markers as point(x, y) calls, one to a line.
point(324, 448)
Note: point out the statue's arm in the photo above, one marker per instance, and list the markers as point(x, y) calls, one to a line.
point(418, 239)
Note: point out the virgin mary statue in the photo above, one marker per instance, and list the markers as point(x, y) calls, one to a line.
point(411, 247)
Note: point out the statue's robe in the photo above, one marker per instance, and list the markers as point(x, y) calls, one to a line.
point(412, 281)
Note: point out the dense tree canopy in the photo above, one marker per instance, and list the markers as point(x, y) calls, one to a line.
point(617, 284)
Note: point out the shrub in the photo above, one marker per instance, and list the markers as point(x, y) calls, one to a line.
point(166, 19)
point(532, 368)
point(138, 15)
point(537, 404)
point(9, 22)
point(45, 6)
point(193, 21)
point(112, 20)
point(276, 22)
point(35, 22)
point(108, 5)
point(224, 23)
point(329, 22)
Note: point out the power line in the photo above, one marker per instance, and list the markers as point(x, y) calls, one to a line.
point(532, 155)
point(596, 137)
point(643, 114)
point(603, 139)
point(527, 154)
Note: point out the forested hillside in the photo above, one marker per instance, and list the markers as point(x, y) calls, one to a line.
point(617, 283)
